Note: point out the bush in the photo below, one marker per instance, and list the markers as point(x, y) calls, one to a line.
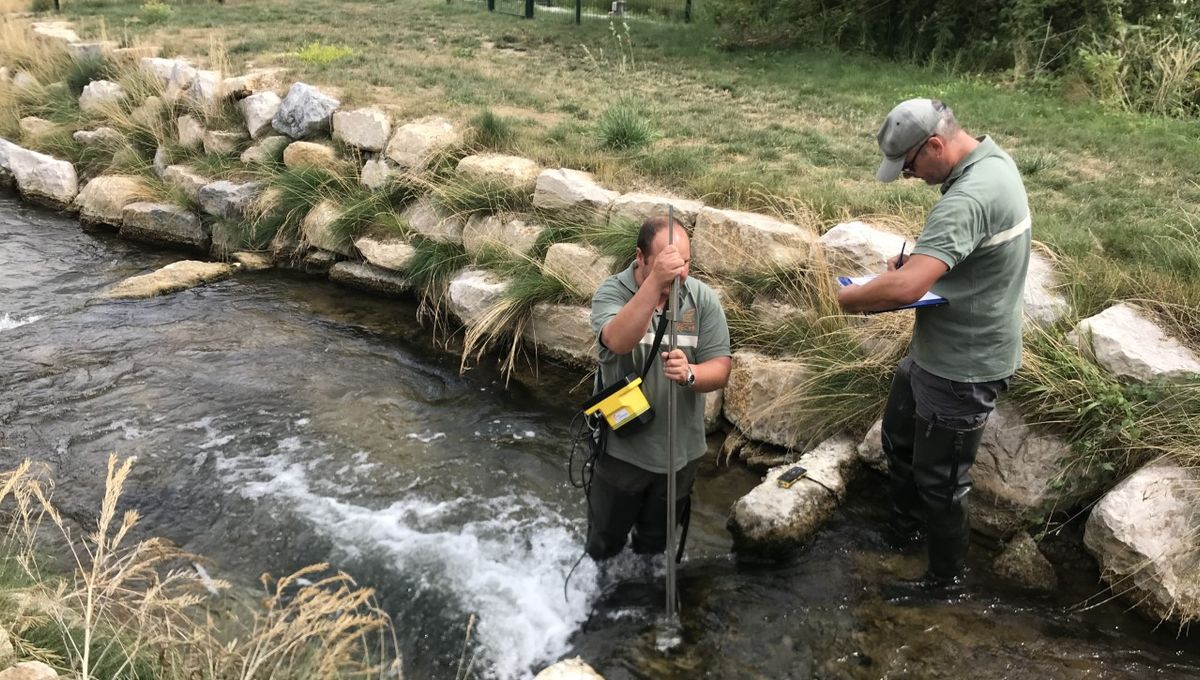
point(1151, 69)
point(626, 125)
point(156, 12)
point(317, 53)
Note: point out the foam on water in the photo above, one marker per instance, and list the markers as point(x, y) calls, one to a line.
point(507, 566)
point(8, 322)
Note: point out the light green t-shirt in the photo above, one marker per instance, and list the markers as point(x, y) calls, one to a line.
point(981, 230)
point(702, 335)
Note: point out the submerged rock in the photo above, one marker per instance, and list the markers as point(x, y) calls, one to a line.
point(1022, 564)
point(174, 277)
point(369, 277)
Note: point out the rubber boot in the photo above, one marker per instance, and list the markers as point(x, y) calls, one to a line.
point(942, 459)
point(899, 429)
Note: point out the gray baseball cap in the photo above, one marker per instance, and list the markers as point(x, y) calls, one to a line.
point(909, 124)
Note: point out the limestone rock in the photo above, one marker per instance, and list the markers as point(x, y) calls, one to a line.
point(510, 172)
point(190, 132)
point(774, 520)
point(251, 262)
point(304, 112)
point(309, 155)
point(317, 228)
point(186, 179)
point(727, 242)
point(164, 69)
point(472, 292)
point(205, 90)
point(267, 150)
point(713, 401)
point(427, 219)
point(23, 80)
point(85, 51)
point(162, 159)
point(639, 207)
point(1044, 304)
point(412, 146)
point(6, 150)
point(100, 137)
point(29, 670)
point(563, 332)
point(1143, 535)
point(164, 223)
point(1022, 564)
point(1128, 344)
point(174, 277)
point(758, 395)
point(317, 261)
point(854, 248)
point(364, 128)
point(870, 451)
point(54, 31)
point(758, 456)
point(369, 277)
point(103, 199)
point(581, 268)
point(562, 189)
point(506, 233)
point(569, 669)
point(393, 253)
point(6, 649)
point(376, 173)
point(223, 142)
point(253, 81)
point(259, 111)
point(227, 200)
point(32, 127)
point(40, 176)
point(100, 96)
point(149, 113)
point(773, 313)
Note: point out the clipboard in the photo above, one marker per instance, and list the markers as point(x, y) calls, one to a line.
point(929, 299)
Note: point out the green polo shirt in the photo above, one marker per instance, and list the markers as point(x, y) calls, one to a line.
point(981, 230)
point(702, 335)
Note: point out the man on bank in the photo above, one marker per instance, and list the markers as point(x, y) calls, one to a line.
point(973, 251)
point(629, 484)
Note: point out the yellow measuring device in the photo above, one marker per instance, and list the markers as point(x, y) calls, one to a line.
point(622, 404)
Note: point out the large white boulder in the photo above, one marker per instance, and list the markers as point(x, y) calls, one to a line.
point(103, 199)
point(367, 276)
point(253, 81)
point(424, 217)
point(376, 173)
point(366, 129)
point(580, 268)
point(228, 200)
point(412, 146)
point(54, 31)
point(854, 248)
point(92, 50)
point(730, 242)
point(562, 188)
point(223, 142)
point(505, 233)
point(317, 228)
point(164, 223)
point(759, 398)
point(7, 148)
point(563, 332)
point(472, 292)
point(43, 177)
point(100, 137)
point(1129, 344)
point(511, 172)
point(186, 180)
point(174, 277)
point(259, 111)
point(391, 253)
point(304, 112)
point(774, 520)
point(639, 206)
point(713, 403)
point(100, 96)
point(205, 90)
point(1044, 302)
point(1143, 534)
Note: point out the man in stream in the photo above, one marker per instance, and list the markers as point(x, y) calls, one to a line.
point(973, 251)
point(629, 484)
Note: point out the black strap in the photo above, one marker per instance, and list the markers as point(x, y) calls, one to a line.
point(658, 336)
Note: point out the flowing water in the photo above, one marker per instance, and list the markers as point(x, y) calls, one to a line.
point(280, 421)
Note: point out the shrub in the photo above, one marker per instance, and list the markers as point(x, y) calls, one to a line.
point(156, 12)
point(626, 125)
point(317, 53)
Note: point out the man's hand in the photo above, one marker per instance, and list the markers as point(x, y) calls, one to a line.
point(894, 262)
point(667, 265)
point(675, 365)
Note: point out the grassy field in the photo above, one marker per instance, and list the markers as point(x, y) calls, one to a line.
point(1116, 195)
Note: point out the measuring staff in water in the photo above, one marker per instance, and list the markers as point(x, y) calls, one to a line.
point(629, 482)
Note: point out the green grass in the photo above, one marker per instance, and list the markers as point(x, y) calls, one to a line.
point(626, 125)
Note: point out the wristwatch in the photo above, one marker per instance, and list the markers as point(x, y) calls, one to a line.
point(691, 379)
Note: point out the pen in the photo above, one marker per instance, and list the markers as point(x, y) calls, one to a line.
point(900, 260)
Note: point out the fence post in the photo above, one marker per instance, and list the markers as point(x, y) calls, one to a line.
point(578, 11)
point(491, 5)
point(687, 12)
point(528, 9)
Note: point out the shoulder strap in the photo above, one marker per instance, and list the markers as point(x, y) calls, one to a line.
point(658, 335)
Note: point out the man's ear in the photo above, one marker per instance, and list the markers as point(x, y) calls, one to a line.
point(641, 261)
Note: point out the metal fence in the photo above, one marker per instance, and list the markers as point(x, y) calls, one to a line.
point(664, 10)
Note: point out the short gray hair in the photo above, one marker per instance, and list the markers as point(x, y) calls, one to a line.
point(947, 125)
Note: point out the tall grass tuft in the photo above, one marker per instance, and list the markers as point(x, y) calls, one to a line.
point(492, 132)
point(465, 197)
point(626, 125)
